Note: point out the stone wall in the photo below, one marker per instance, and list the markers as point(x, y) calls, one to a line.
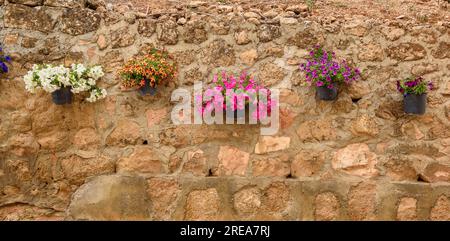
point(357, 158)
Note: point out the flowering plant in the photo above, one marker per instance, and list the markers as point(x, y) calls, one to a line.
point(413, 85)
point(235, 93)
point(323, 70)
point(3, 60)
point(78, 78)
point(154, 67)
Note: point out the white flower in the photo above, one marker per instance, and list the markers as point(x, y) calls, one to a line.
point(81, 85)
point(52, 78)
point(30, 84)
point(91, 81)
point(91, 98)
point(62, 74)
point(97, 94)
point(95, 72)
point(46, 77)
point(35, 67)
point(78, 77)
point(79, 69)
point(79, 88)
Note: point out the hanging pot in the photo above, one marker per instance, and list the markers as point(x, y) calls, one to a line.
point(415, 104)
point(324, 93)
point(236, 115)
point(62, 96)
point(147, 88)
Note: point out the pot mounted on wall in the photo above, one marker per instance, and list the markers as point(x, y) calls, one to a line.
point(148, 71)
point(415, 104)
point(235, 114)
point(147, 89)
point(327, 94)
point(414, 90)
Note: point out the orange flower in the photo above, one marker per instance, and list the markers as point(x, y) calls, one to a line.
point(157, 66)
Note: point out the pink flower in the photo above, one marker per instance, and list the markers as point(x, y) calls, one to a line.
point(198, 98)
point(233, 93)
point(209, 107)
point(249, 86)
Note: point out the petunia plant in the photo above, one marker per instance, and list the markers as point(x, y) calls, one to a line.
point(414, 90)
point(414, 85)
point(54, 79)
point(234, 93)
point(325, 73)
point(322, 69)
point(148, 71)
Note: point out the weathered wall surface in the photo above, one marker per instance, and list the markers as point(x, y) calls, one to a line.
point(358, 158)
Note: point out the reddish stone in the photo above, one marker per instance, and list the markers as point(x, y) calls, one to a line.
point(407, 209)
point(202, 205)
point(232, 161)
point(142, 160)
point(441, 209)
point(271, 166)
point(163, 194)
point(356, 159)
point(154, 117)
point(271, 144)
point(247, 201)
point(307, 163)
point(362, 201)
point(436, 172)
point(326, 207)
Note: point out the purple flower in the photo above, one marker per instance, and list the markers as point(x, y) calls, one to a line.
point(413, 86)
point(330, 86)
point(4, 67)
point(399, 87)
point(322, 69)
point(7, 58)
point(410, 83)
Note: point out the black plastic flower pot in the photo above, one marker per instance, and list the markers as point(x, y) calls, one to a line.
point(147, 89)
point(415, 104)
point(324, 93)
point(62, 96)
point(236, 115)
